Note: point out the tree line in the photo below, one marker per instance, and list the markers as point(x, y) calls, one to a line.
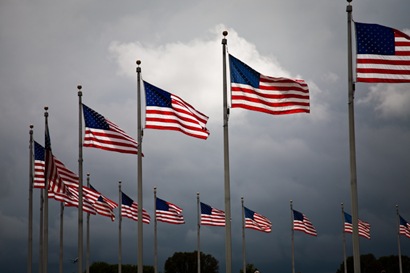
point(186, 262)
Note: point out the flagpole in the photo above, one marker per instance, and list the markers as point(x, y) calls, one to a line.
point(45, 236)
point(353, 175)
point(243, 237)
point(199, 236)
point(344, 239)
point(155, 232)
point(292, 236)
point(119, 228)
point(41, 240)
point(61, 236)
point(228, 239)
point(30, 203)
point(398, 238)
point(87, 256)
point(80, 181)
point(140, 206)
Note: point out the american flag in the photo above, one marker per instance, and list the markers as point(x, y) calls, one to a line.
point(404, 228)
point(103, 134)
point(63, 178)
point(168, 212)
point(276, 96)
point(39, 173)
point(72, 200)
point(69, 178)
point(129, 209)
point(211, 216)
point(39, 166)
point(104, 206)
point(165, 111)
point(257, 221)
point(364, 227)
point(56, 188)
point(110, 203)
point(383, 54)
point(302, 223)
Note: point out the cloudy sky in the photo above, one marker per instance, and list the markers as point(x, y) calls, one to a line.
point(50, 47)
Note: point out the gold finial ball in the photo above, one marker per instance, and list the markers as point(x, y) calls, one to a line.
point(138, 62)
point(31, 126)
point(46, 108)
point(225, 33)
point(79, 87)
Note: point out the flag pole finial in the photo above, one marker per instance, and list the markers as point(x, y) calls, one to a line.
point(225, 33)
point(31, 126)
point(79, 87)
point(138, 62)
point(45, 111)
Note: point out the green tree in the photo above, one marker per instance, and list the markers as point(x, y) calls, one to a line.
point(369, 264)
point(250, 268)
point(391, 264)
point(186, 262)
point(101, 267)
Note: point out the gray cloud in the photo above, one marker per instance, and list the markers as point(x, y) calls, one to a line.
point(47, 49)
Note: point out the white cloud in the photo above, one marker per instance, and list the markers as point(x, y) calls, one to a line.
point(390, 101)
point(193, 70)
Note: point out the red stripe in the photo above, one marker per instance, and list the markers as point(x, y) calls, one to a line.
point(380, 80)
point(383, 71)
point(382, 61)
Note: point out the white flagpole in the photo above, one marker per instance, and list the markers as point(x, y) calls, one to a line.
point(155, 232)
point(61, 236)
point(353, 176)
point(30, 203)
point(292, 236)
point(199, 236)
point(140, 205)
point(80, 181)
point(87, 256)
point(228, 236)
point(243, 237)
point(119, 228)
point(398, 238)
point(41, 240)
point(344, 239)
point(47, 171)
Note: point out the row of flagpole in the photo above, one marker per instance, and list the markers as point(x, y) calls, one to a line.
point(44, 221)
point(261, 223)
point(238, 100)
point(244, 210)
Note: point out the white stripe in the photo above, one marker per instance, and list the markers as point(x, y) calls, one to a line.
point(384, 66)
point(383, 57)
point(169, 119)
point(383, 76)
point(269, 92)
point(272, 108)
point(401, 39)
point(173, 115)
point(402, 48)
